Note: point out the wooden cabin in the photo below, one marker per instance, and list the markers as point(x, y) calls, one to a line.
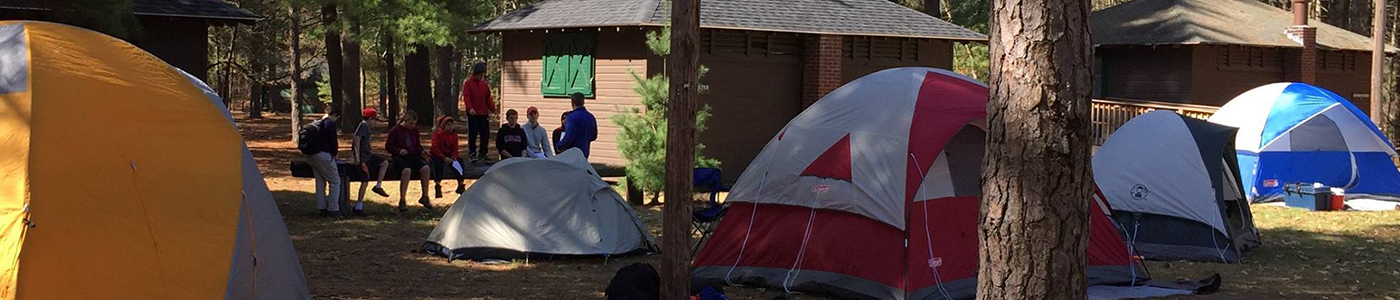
point(1209, 51)
point(176, 31)
point(767, 60)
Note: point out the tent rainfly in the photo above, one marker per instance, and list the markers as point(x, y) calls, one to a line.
point(524, 207)
point(175, 207)
point(1172, 185)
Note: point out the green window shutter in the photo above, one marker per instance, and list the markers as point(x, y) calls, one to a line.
point(554, 81)
point(581, 67)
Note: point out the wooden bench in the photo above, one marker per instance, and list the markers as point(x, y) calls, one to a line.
point(354, 173)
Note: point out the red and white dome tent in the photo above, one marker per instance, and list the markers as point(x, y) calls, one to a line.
point(872, 193)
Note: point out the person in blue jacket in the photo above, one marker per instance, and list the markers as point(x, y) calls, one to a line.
point(580, 128)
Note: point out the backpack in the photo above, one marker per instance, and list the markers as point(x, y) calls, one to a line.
point(309, 138)
point(637, 281)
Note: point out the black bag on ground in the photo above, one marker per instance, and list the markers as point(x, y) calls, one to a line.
point(309, 138)
point(637, 281)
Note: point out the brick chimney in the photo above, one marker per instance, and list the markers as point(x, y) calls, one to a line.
point(821, 66)
point(1306, 69)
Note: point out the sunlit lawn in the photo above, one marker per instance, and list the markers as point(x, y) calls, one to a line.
point(1306, 255)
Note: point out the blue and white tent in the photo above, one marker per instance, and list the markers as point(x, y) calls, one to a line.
point(1295, 132)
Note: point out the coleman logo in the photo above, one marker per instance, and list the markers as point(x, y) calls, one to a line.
point(821, 189)
point(1270, 182)
point(1139, 192)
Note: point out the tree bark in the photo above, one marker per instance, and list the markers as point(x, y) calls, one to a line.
point(418, 84)
point(390, 84)
point(226, 88)
point(443, 87)
point(351, 82)
point(684, 64)
point(335, 63)
point(1378, 64)
point(1036, 183)
point(295, 47)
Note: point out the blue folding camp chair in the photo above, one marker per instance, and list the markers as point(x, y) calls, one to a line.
point(707, 180)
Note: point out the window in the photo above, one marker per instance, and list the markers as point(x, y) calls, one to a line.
point(568, 64)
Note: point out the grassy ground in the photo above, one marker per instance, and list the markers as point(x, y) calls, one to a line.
point(1306, 255)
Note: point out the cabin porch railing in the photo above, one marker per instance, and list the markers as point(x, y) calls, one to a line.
point(1108, 115)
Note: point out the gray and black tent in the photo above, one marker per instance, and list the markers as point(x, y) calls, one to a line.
point(1174, 189)
point(525, 207)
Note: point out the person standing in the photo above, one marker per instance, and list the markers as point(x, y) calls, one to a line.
point(444, 152)
point(370, 163)
point(537, 144)
point(476, 97)
point(559, 133)
point(407, 148)
point(510, 140)
point(318, 142)
point(581, 129)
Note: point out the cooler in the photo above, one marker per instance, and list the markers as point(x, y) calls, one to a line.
point(1313, 197)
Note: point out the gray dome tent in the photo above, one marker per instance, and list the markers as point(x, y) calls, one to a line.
point(524, 207)
point(1173, 187)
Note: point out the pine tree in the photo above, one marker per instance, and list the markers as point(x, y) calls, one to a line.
point(643, 138)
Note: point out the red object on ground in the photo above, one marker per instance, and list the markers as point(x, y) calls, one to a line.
point(1338, 203)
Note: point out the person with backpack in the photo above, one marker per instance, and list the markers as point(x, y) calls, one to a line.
point(409, 156)
point(444, 153)
point(318, 142)
point(370, 163)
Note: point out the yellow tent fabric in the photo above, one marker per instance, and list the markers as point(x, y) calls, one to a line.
point(121, 179)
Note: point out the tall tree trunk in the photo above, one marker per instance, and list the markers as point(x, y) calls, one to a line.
point(295, 66)
point(680, 148)
point(443, 86)
point(1036, 183)
point(418, 83)
point(255, 88)
point(351, 82)
point(391, 79)
point(933, 8)
point(335, 63)
point(226, 89)
point(1378, 64)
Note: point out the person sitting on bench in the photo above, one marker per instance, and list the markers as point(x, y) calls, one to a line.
point(559, 133)
point(444, 153)
point(510, 139)
point(407, 148)
point(363, 157)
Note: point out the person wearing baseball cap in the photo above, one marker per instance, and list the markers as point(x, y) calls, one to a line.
point(537, 143)
point(361, 155)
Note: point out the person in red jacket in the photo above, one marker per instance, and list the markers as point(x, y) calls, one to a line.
point(444, 151)
point(476, 97)
point(407, 148)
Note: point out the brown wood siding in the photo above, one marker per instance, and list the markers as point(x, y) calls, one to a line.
point(755, 88)
point(1221, 73)
point(1220, 78)
point(1347, 73)
point(863, 55)
point(181, 42)
point(1144, 73)
point(619, 51)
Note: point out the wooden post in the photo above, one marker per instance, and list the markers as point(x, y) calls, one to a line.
point(684, 72)
point(1378, 64)
point(1035, 177)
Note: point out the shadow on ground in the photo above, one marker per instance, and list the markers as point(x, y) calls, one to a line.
point(1308, 255)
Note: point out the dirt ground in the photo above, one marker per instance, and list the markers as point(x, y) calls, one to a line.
point(1305, 255)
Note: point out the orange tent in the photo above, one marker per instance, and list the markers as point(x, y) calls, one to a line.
point(121, 177)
